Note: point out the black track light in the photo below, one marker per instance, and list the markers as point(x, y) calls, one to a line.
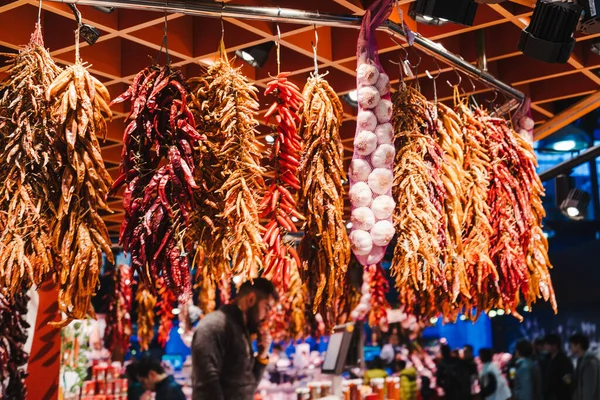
point(549, 36)
point(87, 32)
point(576, 204)
point(105, 10)
point(438, 12)
point(256, 55)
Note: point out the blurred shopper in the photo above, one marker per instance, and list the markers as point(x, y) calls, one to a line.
point(492, 382)
point(469, 360)
point(427, 392)
point(153, 377)
point(587, 373)
point(388, 351)
point(408, 380)
point(135, 390)
point(453, 376)
point(224, 366)
point(528, 377)
point(376, 369)
point(557, 370)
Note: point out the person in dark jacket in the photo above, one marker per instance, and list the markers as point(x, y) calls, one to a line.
point(453, 376)
point(528, 377)
point(153, 377)
point(557, 370)
point(224, 366)
point(587, 375)
point(135, 390)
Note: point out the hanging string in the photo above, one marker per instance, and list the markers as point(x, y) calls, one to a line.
point(77, 44)
point(222, 49)
point(39, 20)
point(278, 49)
point(165, 43)
point(314, 46)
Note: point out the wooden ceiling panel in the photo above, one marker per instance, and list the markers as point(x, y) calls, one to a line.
point(130, 18)
point(206, 42)
point(179, 39)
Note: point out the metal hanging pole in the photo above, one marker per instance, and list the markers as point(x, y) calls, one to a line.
point(288, 15)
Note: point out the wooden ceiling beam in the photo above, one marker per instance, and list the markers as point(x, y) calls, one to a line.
point(569, 115)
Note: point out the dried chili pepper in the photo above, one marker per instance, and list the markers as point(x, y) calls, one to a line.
point(118, 318)
point(13, 335)
point(166, 302)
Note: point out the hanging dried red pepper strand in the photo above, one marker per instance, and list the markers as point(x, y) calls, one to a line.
point(157, 167)
point(118, 318)
point(166, 302)
point(279, 203)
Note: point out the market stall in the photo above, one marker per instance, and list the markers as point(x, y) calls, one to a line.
point(223, 171)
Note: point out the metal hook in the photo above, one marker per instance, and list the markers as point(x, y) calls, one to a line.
point(459, 80)
point(493, 101)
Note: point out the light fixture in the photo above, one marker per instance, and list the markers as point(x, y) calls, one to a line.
point(175, 311)
point(256, 55)
point(526, 309)
point(500, 312)
point(576, 204)
point(294, 219)
point(571, 138)
point(237, 279)
point(590, 22)
point(269, 139)
point(549, 36)
point(564, 145)
point(437, 12)
point(105, 10)
point(463, 317)
point(87, 32)
point(349, 225)
point(180, 331)
point(434, 320)
point(351, 98)
point(492, 314)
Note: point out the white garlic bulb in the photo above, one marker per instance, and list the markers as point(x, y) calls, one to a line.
point(381, 180)
point(361, 242)
point(383, 84)
point(365, 142)
point(385, 133)
point(526, 123)
point(366, 120)
point(362, 218)
point(359, 170)
point(383, 156)
point(383, 111)
point(383, 206)
point(376, 255)
point(368, 97)
point(360, 195)
point(382, 233)
point(367, 74)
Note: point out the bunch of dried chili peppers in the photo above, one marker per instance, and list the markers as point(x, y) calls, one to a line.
point(157, 170)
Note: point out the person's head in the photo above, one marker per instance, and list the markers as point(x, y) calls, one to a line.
point(400, 365)
point(524, 349)
point(553, 344)
point(277, 349)
point(468, 352)
point(256, 298)
point(486, 355)
point(539, 345)
point(394, 340)
point(446, 351)
point(579, 344)
point(149, 372)
point(376, 363)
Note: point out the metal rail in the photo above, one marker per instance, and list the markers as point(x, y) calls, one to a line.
point(288, 15)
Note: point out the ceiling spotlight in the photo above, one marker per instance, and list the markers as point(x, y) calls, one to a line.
point(105, 10)
point(437, 12)
point(269, 139)
point(87, 32)
point(564, 145)
point(349, 225)
point(433, 320)
point(175, 311)
point(351, 98)
point(492, 314)
point(256, 55)
point(500, 312)
point(549, 36)
point(576, 204)
point(567, 139)
point(237, 279)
